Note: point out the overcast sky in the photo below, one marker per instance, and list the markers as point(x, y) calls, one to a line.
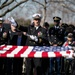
point(26, 10)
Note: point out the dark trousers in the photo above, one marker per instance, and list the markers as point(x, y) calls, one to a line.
point(73, 67)
point(58, 65)
point(55, 66)
point(52, 66)
point(17, 66)
point(33, 63)
point(62, 65)
point(9, 66)
point(68, 66)
point(14, 66)
point(45, 66)
point(2, 66)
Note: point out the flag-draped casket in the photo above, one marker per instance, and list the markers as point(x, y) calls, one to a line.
point(35, 51)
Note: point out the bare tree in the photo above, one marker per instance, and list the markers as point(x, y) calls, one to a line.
point(67, 8)
point(8, 3)
point(47, 7)
point(44, 4)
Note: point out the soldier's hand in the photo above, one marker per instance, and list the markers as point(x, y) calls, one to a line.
point(11, 19)
point(34, 38)
point(4, 35)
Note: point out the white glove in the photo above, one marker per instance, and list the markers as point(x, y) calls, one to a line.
point(11, 19)
point(34, 38)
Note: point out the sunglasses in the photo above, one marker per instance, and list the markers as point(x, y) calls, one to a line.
point(56, 21)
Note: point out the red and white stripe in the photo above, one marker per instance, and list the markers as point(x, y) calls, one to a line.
point(26, 51)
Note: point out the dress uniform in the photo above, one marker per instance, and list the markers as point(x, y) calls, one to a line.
point(58, 32)
point(42, 40)
point(54, 62)
point(36, 38)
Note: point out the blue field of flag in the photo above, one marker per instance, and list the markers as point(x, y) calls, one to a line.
point(50, 48)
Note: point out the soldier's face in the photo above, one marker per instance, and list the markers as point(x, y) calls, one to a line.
point(37, 22)
point(56, 22)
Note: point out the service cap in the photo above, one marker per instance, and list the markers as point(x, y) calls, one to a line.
point(56, 18)
point(37, 16)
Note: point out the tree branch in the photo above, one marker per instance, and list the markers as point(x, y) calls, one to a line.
point(3, 14)
point(69, 8)
point(6, 4)
point(38, 3)
point(20, 6)
point(71, 2)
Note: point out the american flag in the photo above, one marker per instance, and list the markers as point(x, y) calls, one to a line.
point(34, 51)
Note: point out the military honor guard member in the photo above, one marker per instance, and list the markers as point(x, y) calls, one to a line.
point(36, 37)
point(57, 32)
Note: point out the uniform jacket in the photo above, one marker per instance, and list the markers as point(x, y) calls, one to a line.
point(57, 32)
point(41, 40)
